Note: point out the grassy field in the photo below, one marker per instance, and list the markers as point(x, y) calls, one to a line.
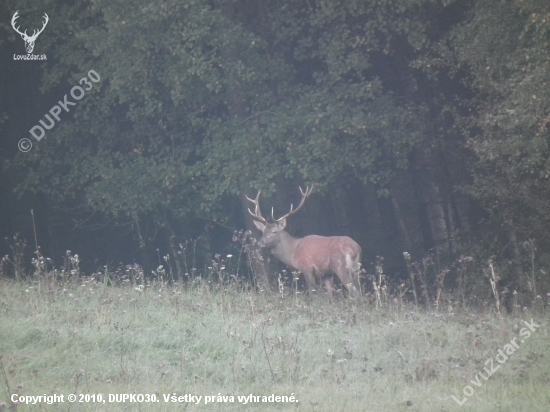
point(86, 338)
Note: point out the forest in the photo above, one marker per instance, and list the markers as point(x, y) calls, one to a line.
point(423, 126)
point(306, 205)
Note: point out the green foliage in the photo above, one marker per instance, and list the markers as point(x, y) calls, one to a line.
point(199, 99)
point(502, 52)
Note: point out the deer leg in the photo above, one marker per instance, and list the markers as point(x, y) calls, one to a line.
point(330, 289)
point(351, 271)
point(355, 273)
point(349, 281)
point(310, 281)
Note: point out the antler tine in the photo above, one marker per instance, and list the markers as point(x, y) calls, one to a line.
point(292, 211)
point(14, 22)
point(46, 20)
point(308, 191)
point(273, 217)
point(257, 212)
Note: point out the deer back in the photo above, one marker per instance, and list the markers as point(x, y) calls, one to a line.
point(324, 254)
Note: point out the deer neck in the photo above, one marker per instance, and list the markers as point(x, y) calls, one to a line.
point(284, 250)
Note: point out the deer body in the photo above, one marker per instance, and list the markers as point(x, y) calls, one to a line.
point(315, 256)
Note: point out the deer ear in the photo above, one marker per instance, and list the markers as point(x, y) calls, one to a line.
point(259, 225)
point(282, 224)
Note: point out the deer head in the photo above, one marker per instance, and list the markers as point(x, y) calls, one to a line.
point(29, 40)
point(271, 232)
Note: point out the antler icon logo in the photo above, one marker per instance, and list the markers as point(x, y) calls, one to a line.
point(29, 40)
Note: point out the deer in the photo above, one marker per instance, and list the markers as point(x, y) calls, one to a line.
point(29, 40)
point(316, 257)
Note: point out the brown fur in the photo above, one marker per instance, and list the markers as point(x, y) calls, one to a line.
point(315, 256)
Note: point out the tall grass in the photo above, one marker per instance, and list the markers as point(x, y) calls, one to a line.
point(404, 347)
point(86, 336)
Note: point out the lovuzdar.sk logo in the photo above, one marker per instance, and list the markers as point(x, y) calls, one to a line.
point(29, 40)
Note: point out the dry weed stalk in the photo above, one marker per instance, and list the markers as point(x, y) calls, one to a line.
point(407, 257)
point(464, 262)
point(493, 279)
point(530, 246)
point(440, 282)
point(379, 284)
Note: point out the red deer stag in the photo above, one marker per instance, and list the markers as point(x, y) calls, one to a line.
point(315, 256)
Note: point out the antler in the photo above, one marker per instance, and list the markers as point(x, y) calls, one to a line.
point(24, 34)
point(305, 195)
point(46, 20)
point(257, 212)
point(14, 18)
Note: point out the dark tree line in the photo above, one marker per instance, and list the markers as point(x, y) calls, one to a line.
point(423, 125)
